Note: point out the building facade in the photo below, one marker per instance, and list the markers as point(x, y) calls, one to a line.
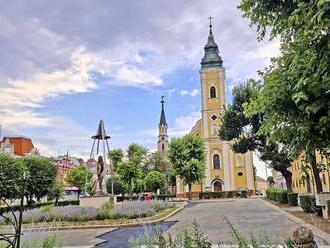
point(162, 145)
point(225, 170)
point(302, 176)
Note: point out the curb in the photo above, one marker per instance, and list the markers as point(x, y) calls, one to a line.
point(316, 231)
point(109, 225)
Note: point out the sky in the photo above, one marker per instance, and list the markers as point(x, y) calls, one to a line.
point(64, 65)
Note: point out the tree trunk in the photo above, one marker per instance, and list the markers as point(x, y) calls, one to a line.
point(308, 183)
point(316, 174)
point(189, 193)
point(288, 179)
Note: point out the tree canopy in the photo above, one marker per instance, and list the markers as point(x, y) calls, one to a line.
point(155, 180)
point(295, 98)
point(116, 156)
point(41, 176)
point(77, 177)
point(11, 173)
point(187, 155)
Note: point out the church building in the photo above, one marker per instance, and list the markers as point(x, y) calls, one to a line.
point(225, 170)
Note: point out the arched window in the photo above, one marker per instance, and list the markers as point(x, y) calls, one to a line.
point(216, 161)
point(163, 147)
point(213, 93)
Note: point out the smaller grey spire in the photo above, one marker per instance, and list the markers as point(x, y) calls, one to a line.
point(162, 114)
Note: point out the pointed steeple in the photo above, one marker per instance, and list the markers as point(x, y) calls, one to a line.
point(162, 114)
point(211, 58)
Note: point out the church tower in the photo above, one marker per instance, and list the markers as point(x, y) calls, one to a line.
point(162, 128)
point(225, 170)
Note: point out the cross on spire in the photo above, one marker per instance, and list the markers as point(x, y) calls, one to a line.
point(210, 18)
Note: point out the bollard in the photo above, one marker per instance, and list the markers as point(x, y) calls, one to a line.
point(303, 237)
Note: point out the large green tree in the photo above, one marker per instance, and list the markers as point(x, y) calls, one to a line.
point(187, 156)
point(118, 186)
point(244, 131)
point(155, 180)
point(11, 172)
point(129, 172)
point(116, 156)
point(56, 192)
point(77, 177)
point(295, 99)
point(41, 177)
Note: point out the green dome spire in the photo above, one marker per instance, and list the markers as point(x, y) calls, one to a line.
point(211, 58)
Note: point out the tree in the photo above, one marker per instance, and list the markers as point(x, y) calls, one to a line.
point(77, 177)
point(118, 186)
point(136, 153)
point(270, 181)
point(129, 172)
point(295, 96)
point(56, 192)
point(11, 172)
point(158, 161)
point(41, 177)
point(155, 180)
point(244, 131)
point(187, 155)
point(116, 156)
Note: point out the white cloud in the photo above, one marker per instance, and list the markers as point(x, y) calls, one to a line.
point(183, 124)
point(193, 93)
point(183, 92)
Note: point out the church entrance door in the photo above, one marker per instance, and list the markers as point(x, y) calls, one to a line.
point(217, 186)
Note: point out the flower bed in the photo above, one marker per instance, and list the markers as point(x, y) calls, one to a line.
point(129, 210)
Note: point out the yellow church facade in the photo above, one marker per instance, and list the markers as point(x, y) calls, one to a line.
point(225, 170)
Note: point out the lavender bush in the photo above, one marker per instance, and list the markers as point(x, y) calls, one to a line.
point(129, 209)
point(66, 213)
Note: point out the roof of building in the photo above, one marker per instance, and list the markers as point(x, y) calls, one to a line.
point(211, 58)
point(22, 145)
point(260, 179)
point(162, 114)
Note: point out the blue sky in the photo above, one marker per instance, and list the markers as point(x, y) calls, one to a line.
point(66, 65)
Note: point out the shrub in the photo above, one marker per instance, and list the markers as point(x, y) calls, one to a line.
point(306, 203)
point(279, 195)
point(243, 193)
point(293, 199)
point(317, 209)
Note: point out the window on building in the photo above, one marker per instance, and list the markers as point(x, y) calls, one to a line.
point(216, 161)
point(240, 174)
point(323, 176)
point(163, 147)
point(213, 117)
point(213, 93)
point(239, 161)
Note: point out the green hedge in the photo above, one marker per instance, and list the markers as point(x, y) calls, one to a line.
point(308, 204)
point(38, 205)
point(279, 195)
point(224, 194)
point(293, 199)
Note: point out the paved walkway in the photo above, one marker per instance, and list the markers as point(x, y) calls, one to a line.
point(247, 215)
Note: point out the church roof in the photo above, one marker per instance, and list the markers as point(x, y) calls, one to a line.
point(162, 114)
point(211, 58)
